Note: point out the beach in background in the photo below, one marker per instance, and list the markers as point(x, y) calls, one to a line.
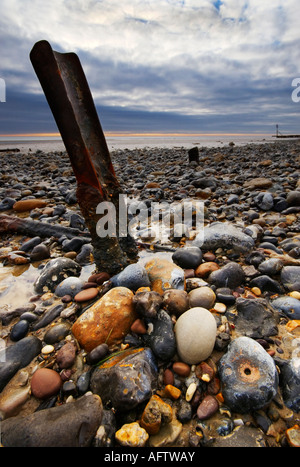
point(132, 141)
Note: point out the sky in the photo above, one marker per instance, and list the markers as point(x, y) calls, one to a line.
point(187, 66)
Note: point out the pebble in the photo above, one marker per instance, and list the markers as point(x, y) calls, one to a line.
point(138, 327)
point(205, 269)
point(190, 392)
point(288, 305)
point(161, 339)
point(131, 435)
point(55, 271)
point(175, 301)
point(132, 277)
point(45, 383)
point(56, 333)
point(187, 257)
point(293, 436)
point(72, 415)
point(97, 354)
point(290, 277)
point(248, 375)
point(231, 275)
point(28, 205)
point(47, 349)
point(167, 435)
point(195, 332)
point(40, 252)
point(99, 278)
point(127, 379)
point(19, 330)
point(108, 320)
point(156, 413)
point(147, 303)
point(181, 368)
point(66, 355)
point(226, 236)
point(70, 286)
point(86, 295)
point(164, 274)
point(208, 407)
point(202, 297)
point(172, 392)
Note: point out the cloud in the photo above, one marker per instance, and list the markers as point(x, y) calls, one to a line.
point(194, 58)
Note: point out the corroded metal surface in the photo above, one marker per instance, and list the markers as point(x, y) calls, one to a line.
point(69, 97)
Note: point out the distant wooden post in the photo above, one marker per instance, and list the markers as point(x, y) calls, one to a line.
point(67, 92)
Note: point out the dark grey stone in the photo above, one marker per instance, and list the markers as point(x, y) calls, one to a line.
point(68, 425)
point(230, 276)
point(266, 284)
point(224, 235)
point(187, 257)
point(290, 277)
point(248, 376)
point(290, 382)
point(288, 305)
point(19, 330)
point(17, 356)
point(162, 338)
point(255, 318)
point(126, 382)
point(133, 277)
point(55, 271)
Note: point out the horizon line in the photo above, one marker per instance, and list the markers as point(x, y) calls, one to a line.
point(124, 133)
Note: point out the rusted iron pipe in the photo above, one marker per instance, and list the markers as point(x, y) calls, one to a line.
point(70, 100)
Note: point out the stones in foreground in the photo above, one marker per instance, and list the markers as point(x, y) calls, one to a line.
point(248, 374)
point(68, 425)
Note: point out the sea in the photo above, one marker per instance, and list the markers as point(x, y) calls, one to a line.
point(136, 141)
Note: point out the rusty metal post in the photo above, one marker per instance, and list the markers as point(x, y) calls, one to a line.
point(70, 100)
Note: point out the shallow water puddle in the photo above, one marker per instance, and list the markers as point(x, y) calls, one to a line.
point(16, 285)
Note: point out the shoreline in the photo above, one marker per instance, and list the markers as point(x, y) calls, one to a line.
point(137, 141)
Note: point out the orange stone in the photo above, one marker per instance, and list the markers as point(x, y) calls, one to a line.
point(108, 320)
point(29, 204)
point(204, 269)
point(172, 392)
point(164, 274)
point(293, 436)
point(156, 413)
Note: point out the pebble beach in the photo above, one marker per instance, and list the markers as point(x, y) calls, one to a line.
point(197, 344)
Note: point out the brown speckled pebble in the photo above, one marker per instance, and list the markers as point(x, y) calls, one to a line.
point(45, 383)
point(85, 295)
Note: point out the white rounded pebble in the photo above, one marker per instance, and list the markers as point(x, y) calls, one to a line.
point(195, 332)
point(47, 349)
point(190, 392)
